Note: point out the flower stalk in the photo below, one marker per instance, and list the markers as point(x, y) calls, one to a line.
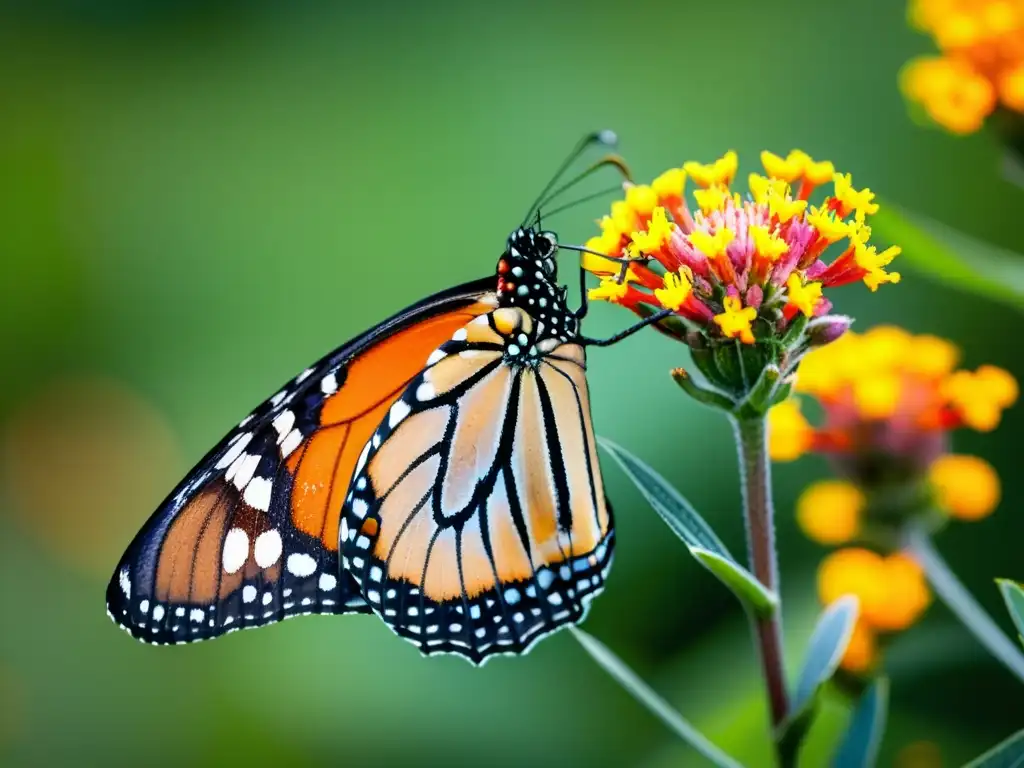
point(755, 478)
point(955, 595)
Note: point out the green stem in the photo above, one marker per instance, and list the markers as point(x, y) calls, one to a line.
point(955, 595)
point(755, 476)
point(643, 693)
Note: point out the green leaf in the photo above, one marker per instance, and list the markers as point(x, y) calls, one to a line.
point(1013, 594)
point(676, 511)
point(702, 394)
point(690, 527)
point(825, 649)
point(643, 693)
point(950, 256)
point(737, 578)
point(859, 747)
point(1005, 754)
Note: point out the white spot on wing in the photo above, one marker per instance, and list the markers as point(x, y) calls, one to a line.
point(329, 384)
point(301, 564)
point(234, 451)
point(399, 411)
point(359, 508)
point(257, 493)
point(246, 469)
point(248, 593)
point(267, 548)
point(328, 582)
point(435, 357)
point(290, 443)
point(425, 391)
point(125, 581)
point(283, 423)
point(236, 550)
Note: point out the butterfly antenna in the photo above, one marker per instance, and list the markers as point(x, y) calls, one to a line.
point(584, 199)
point(606, 138)
point(613, 161)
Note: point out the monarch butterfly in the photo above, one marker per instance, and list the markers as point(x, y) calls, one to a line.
point(439, 470)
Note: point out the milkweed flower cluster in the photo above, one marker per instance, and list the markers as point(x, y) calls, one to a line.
point(889, 401)
point(981, 66)
point(749, 270)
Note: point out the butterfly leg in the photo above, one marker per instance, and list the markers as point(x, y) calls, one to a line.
point(584, 303)
point(651, 319)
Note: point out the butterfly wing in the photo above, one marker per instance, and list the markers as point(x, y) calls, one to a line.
point(477, 522)
point(250, 537)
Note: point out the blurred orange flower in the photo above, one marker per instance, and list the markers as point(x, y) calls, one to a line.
point(891, 393)
point(981, 65)
point(892, 591)
point(84, 460)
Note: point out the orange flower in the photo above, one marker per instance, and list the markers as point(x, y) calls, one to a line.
point(891, 589)
point(889, 393)
point(981, 66)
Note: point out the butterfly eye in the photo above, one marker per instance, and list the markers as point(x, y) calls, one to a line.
point(548, 243)
point(547, 246)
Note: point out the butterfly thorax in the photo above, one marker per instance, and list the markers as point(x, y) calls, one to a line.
point(528, 281)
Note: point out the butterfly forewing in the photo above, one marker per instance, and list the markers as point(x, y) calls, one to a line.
point(250, 537)
point(476, 523)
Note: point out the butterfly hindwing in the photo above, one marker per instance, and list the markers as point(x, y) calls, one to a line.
point(477, 523)
point(250, 537)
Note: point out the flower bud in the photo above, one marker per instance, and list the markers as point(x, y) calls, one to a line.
point(824, 330)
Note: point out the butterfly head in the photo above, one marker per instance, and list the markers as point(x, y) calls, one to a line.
point(528, 278)
point(528, 268)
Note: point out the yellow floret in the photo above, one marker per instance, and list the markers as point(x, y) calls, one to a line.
point(790, 435)
point(677, 288)
point(967, 487)
point(829, 511)
point(736, 319)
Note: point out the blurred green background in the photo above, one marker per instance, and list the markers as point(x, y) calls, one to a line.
point(199, 198)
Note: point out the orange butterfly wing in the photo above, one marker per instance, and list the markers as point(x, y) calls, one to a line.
point(478, 522)
point(250, 537)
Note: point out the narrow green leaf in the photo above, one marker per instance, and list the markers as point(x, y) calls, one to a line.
point(825, 649)
point(1005, 754)
point(859, 747)
point(1013, 594)
point(950, 256)
point(704, 395)
point(752, 592)
point(676, 511)
point(644, 694)
point(700, 540)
